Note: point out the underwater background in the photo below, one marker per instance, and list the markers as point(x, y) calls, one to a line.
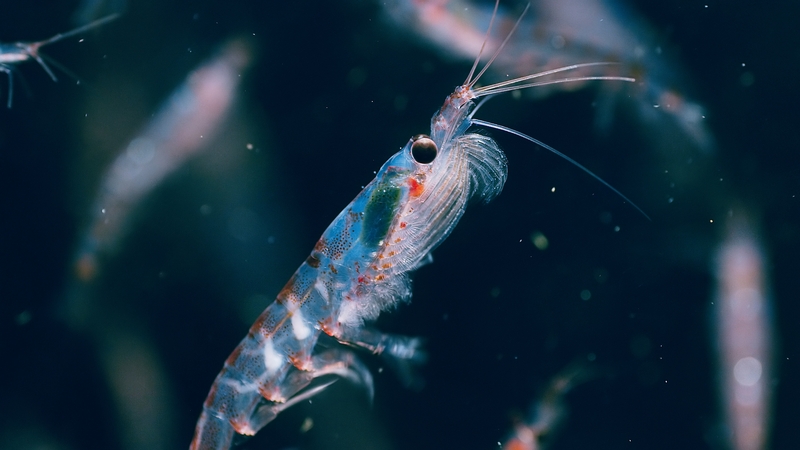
point(120, 352)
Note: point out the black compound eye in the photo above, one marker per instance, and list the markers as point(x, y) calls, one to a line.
point(423, 150)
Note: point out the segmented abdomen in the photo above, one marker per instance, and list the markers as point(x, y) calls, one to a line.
point(281, 340)
point(271, 361)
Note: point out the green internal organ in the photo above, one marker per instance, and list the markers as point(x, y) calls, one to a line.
point(380, 211)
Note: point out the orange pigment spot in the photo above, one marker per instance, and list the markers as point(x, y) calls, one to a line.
point(516, 444)
point(416, 189)
point(234, 356)
point(241, 426)
point(302, 362)
point(287, 289)
point(211, 396)
point(258, 325)
point(270, 393)
point(326, 326)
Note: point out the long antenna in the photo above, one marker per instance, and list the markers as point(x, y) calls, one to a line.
point(557, 153)
point(485, 39)
point(500, 48)
point(78, 30)
point(33, 47)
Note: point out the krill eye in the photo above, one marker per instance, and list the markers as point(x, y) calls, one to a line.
point(423, 150)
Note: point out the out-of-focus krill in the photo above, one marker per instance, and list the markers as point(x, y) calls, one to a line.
point(186, 122)
point(564, 32)
point(188, 119)
point(548, 413)
point(743, 315)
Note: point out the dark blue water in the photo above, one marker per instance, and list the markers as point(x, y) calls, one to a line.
point(334, 91)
